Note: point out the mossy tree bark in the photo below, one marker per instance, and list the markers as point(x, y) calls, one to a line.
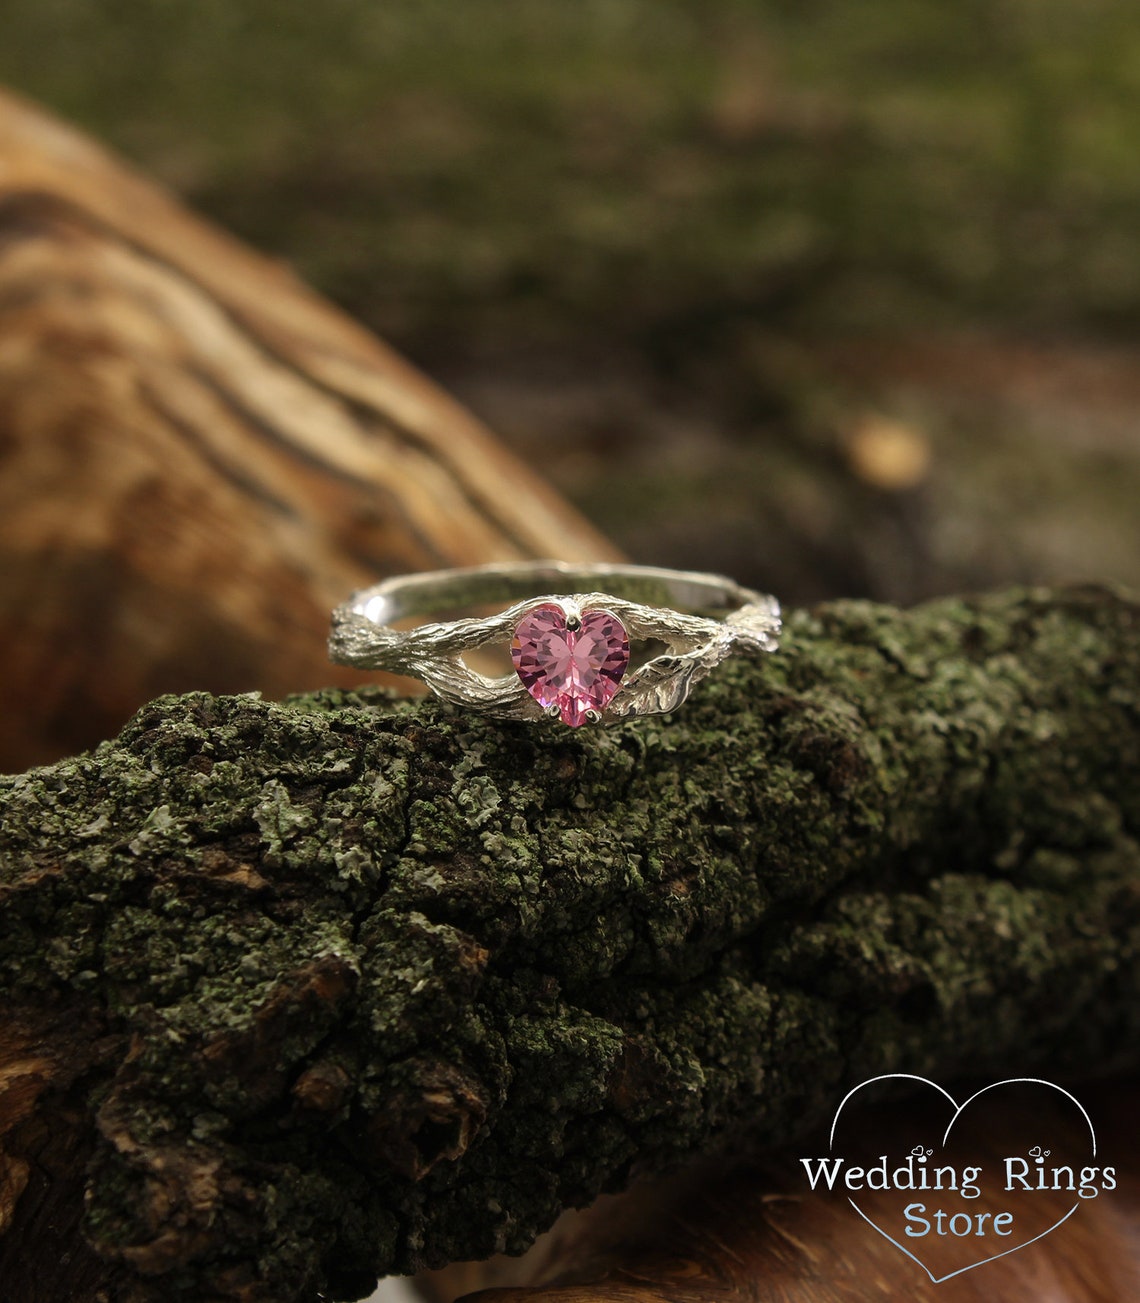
point(300, 993)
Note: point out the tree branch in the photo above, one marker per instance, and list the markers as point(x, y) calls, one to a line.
point(199, 457)
point(351, 984)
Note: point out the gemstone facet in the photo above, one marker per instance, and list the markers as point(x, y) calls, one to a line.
point(576, 669)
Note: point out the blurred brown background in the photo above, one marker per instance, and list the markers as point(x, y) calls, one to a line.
point(837, 298)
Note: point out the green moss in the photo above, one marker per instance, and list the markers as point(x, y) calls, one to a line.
point(399, 983)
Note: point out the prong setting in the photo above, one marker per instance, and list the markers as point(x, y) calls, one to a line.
point(570, 669)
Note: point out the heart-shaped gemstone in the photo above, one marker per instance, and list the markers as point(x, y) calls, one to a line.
point(574, 669)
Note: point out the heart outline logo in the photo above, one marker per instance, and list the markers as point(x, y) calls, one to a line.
point(958, 1110)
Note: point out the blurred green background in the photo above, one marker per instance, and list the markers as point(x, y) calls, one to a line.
point(838, 297)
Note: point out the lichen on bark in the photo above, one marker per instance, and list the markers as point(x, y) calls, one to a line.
point(374, 984)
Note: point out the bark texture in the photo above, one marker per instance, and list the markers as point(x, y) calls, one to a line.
point(351, 984)
point(199, 457)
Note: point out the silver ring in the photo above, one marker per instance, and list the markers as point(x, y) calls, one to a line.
point(570, 628)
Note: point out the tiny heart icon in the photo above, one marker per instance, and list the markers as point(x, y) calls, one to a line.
point(574, 670)
point(955, 1185)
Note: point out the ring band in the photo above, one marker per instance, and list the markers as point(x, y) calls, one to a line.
point(570, 628)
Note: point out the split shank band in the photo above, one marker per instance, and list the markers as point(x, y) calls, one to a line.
point(566, 626)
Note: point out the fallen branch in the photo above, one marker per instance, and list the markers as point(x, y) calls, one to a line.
point(301, 993)
point(199, 457)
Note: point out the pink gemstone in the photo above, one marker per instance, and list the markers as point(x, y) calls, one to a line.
point(574, 669)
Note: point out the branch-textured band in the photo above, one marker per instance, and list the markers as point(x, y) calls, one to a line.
point(362, 634)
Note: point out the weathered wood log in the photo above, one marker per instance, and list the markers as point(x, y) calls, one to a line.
point(199, 457)
point(350, 984)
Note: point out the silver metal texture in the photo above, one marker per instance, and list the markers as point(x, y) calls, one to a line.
point(721, 618)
